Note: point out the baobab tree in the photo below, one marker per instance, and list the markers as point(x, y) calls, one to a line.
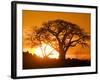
point(61, 35)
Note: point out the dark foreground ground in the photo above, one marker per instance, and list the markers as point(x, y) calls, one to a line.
point(34, 62)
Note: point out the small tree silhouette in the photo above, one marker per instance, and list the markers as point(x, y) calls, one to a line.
point(61, 35)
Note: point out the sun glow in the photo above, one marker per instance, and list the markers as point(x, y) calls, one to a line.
point(42, 51)
point(46, 51)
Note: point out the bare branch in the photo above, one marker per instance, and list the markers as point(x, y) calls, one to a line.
point(50, 52)
point(77, 40)
point(84, 44)
point(52, 32)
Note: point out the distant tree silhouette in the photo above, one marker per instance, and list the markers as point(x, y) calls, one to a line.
point(61, 35)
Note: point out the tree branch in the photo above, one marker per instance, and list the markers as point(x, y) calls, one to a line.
point(75, 41)
point(64, 37)
point(65, 46)
point(55, 34)
point(71, 38)
point(74, 44)
point(50, 52)
point(52, 32)
point(84, 44)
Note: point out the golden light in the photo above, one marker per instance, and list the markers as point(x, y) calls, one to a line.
point(46, 50)
point(30, 50)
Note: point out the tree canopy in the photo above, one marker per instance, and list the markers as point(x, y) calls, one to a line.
point(61, 35)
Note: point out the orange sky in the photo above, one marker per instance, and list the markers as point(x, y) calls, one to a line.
point(36, 18)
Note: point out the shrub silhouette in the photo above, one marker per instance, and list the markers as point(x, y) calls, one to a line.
point(32, 62)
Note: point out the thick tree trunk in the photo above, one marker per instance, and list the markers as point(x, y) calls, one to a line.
point(62, 55)
point(62, 58)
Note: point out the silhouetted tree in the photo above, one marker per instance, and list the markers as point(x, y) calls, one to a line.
point(61, 35)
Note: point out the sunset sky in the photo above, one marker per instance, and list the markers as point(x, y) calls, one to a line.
point(37, 18)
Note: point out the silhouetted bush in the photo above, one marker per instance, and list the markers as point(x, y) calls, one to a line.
point(32, 62)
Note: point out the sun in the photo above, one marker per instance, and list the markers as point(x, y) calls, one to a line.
point(46, 50)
